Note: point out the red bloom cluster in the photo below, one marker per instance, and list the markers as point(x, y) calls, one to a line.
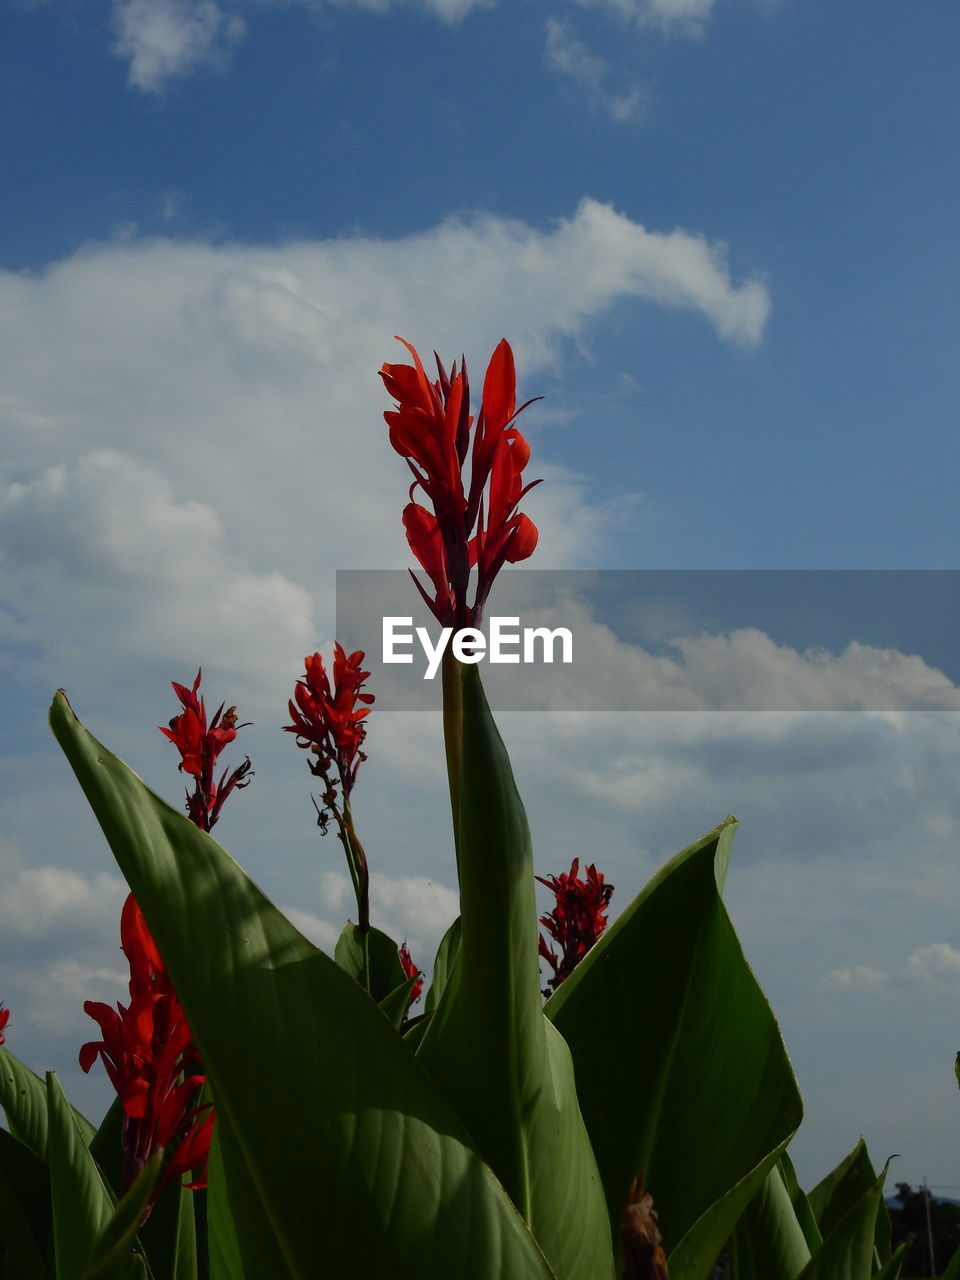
point(411, 971)
point(328, 719)
point(200, 745)
point(148, 1053)
point(4, 1019)
point(576, 922)
point(477, 527)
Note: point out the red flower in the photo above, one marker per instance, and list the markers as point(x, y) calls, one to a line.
point(148, 1053)
point(576, 922)
point(327, 719)
point(431, 428)
point(411, 971)
point(199, 746)
point(4, 1019)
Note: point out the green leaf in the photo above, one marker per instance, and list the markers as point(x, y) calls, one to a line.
point(506, 1070)
point(694, 1088)
point(359, 1166)
point(386, 971)
point(82, 1203)
point(19, 1249)
point(847, 1252)
point(25, 1195)
point(113, 1248)
point(953, 1266)
point(168, 1237)
point(447, 953)
point(801, 1205)
point(226, 1262)
point(23, 1096)
point(841, 1188)
point(768, 1242)
point(394, 1006)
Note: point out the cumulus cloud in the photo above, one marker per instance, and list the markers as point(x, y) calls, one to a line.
point(176, 413)
point(165, 39)
point(567, 55)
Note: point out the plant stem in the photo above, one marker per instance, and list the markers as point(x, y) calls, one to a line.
point(453, 738)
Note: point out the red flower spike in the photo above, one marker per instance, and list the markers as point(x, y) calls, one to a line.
point(329, 720)
point(431, 428)
point(411, 971)
point(577, 920)
point(4, 1019)
point(148, 1053)
point(200, 746)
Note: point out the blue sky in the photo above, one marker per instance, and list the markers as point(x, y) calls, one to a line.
point(721, 235)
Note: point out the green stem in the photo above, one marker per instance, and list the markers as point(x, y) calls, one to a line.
point(453, 738)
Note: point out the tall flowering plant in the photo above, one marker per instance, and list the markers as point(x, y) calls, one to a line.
point(634, 1124)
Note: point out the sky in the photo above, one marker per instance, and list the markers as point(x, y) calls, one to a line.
point(721, 238)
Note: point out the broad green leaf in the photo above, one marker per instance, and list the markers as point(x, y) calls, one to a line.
point(168, 1237)
point(694, 1088)
point(20, 1254)
point(225, 1260)
point(801, 1205)
point(768, 1242)
point(26, 1183)
point(23, 1096)
point(892, 1267)
point(447, 953)
point(841, 1188)
point(117, 1238)
point(359, 1165)
point(394, 1006)
point(82, 1203)
point(506, 1070)
point(847, 1252)
point(106, 1145)
point(386, 971)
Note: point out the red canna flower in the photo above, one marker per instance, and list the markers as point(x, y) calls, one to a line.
point(411, 971)
point(576, 922)
point(200, 745)
point(477, 526)
point(328, 720)
point(148, 1053)
point(4, 1019)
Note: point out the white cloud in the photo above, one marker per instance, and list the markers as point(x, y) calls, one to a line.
point(860, 977)
point(937, 961)
point(165, 39)
point(570, 57)
point(684, 17)
point(195, 433)
point(37, 901)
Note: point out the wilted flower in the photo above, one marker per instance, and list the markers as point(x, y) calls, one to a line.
point(576, 922)
point(643, 1255)
point(4, 1019)
point(148, 1053)
point(473, 527)
point(411, 971)
point(200, 745)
